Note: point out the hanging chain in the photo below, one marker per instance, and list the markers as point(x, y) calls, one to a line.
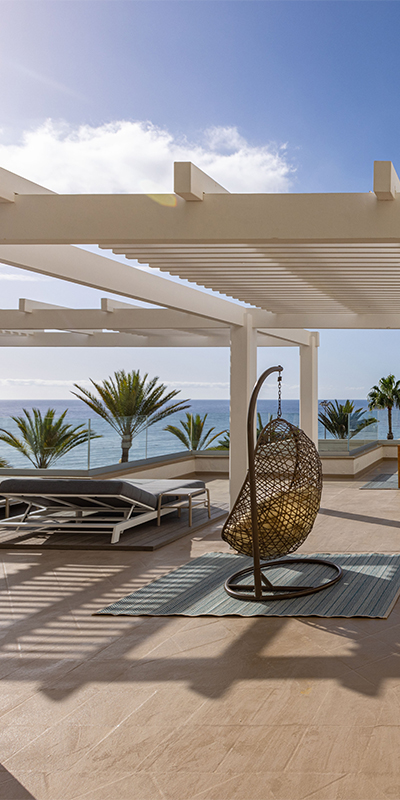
point(279, 414)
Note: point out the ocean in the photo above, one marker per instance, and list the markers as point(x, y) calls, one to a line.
point(156, 441)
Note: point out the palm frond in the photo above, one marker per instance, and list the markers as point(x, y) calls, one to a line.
point(193, 435)
point(45, 439)
point(224, 443)
point(336, 419)
point(180, 435)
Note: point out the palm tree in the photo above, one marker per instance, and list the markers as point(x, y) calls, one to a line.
point(130, 404)
point(45, 439)
point(386, 395)
point(3, 463)
point(224, 443)
point(336, 419)
point(193, 436)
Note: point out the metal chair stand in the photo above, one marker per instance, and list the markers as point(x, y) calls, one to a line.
point(262, 589)
point(276, 508)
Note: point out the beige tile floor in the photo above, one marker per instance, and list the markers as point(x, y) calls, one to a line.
point(103, 708)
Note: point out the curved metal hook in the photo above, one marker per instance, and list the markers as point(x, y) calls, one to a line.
point(252, 407)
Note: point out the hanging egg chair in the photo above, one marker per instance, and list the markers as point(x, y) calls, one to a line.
point(276, 507)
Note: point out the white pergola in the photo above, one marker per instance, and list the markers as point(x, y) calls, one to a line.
point(306, 260)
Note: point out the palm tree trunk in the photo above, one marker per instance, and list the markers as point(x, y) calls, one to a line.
point(126, 443)
point(390, 433)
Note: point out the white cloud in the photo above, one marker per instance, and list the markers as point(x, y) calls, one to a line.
point(11, 276)
point(125, 156)
point(41, 382)
point(224, 139)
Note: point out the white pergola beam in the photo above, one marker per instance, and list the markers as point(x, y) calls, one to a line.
point(191, 183)
point(11, 185)
point(294, 337)
point(118, 320)
point(89, 269)
point(26, 306)
point(9, 338)
point(232, 218)
point(270, 341)
point(326, 321)
point(35, 315)
point(26, 338)
point(108, 304)
point(38, 316)
point(386, 180)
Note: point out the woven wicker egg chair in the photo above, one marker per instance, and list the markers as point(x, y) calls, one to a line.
point(276, 509)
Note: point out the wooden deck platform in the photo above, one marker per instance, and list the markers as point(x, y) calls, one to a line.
point(145, 537)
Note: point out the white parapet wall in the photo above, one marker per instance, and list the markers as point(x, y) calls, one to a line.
point(351, 465)
point(173, 467)
point(335, 465)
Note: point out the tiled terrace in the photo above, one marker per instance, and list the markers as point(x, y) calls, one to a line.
point(114, 708)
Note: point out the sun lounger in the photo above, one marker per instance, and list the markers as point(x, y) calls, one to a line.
point(72, 504)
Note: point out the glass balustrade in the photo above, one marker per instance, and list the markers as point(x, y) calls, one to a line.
point(360, 434)
point(154, 441)
point(106, 448)
point(353, 435)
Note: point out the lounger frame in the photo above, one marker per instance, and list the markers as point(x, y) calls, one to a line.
point(66, 514)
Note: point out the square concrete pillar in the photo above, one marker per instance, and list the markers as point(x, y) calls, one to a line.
point(309, 388)
point(243, 377)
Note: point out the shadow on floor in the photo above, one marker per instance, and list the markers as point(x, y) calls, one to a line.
point(212, 676)
point(56, 642)
point(390, 523)
point(11, 789)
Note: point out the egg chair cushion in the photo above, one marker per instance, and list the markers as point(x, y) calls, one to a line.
point(288, 485)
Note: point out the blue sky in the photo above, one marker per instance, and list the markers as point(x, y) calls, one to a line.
point(102, 96)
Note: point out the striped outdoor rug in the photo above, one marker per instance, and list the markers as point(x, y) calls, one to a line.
point(369, 588)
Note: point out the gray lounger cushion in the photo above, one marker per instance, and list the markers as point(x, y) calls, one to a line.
point(119, 493)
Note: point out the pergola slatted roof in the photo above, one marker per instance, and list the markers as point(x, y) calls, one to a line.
point(330, 278)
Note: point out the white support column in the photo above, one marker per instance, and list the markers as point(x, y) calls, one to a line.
point(243, 378)
point(309, 387)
